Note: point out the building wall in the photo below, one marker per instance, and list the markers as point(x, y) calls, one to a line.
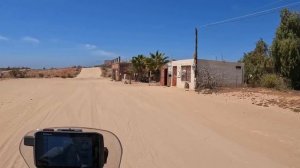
point(179, 64)
point(116, 71)
point(227, 73)
point(119, 70)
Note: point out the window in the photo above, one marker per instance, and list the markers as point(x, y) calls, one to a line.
point(186, 73)
point(238, 67)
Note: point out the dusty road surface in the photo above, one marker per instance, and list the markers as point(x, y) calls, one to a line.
point(159, 127)
point(89, 73)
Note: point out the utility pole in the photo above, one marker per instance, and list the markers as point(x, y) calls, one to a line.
point(196, 57)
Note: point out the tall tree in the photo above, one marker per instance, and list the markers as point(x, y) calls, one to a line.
point(257, 62)
point(286, 47)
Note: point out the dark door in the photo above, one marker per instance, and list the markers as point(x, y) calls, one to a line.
point(174, 81)
point(165, 77)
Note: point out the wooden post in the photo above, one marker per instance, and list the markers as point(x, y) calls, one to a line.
point(196, 57)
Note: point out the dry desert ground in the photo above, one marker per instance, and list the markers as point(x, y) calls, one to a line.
point(159, 127)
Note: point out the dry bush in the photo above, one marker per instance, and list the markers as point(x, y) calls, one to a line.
point(41, 73)
point(70, 76)
point(106, 71)
point(17, 73)
point(273, 81)
point(5, 74)
point(54, 73)
point(103, 71)
point(207, 79)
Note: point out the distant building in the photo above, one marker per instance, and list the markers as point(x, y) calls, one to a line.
point(182, 72)
point(120, 70)
point(116, 69)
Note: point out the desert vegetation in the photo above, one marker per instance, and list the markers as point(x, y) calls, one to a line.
point(106, 71)
point(40, 73)
point(277, 66)
point(207, 80)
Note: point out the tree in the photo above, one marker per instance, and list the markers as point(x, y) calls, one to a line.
point(144, 66)
point(257, 62)
point(286, 47)
point(159, 60)
point(139, 65)
point(156, 61)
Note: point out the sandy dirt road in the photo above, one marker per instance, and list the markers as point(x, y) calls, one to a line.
point(89, 73)
point(159, 127)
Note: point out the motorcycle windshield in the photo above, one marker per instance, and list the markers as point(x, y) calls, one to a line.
point(111, 142)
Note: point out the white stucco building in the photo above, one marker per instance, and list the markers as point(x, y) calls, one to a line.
point(178, 73)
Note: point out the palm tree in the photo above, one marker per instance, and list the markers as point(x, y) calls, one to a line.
point(149, 65)
point(158, 60)
point(139, 65)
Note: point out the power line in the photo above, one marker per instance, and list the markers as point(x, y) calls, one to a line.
point(264, 12)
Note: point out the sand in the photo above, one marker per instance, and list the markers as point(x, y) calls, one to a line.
point(158, 126)
point(89, 73)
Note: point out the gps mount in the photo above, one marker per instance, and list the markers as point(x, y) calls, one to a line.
point(31, 140)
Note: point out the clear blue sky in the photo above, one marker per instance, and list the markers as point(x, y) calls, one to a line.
point(56, 33)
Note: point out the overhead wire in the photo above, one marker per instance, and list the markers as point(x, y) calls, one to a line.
point(255, 14)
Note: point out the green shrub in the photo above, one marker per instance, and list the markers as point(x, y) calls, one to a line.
point(273, 81)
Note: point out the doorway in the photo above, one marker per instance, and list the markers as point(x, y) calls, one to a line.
point(165, 77)
point(174, 81)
